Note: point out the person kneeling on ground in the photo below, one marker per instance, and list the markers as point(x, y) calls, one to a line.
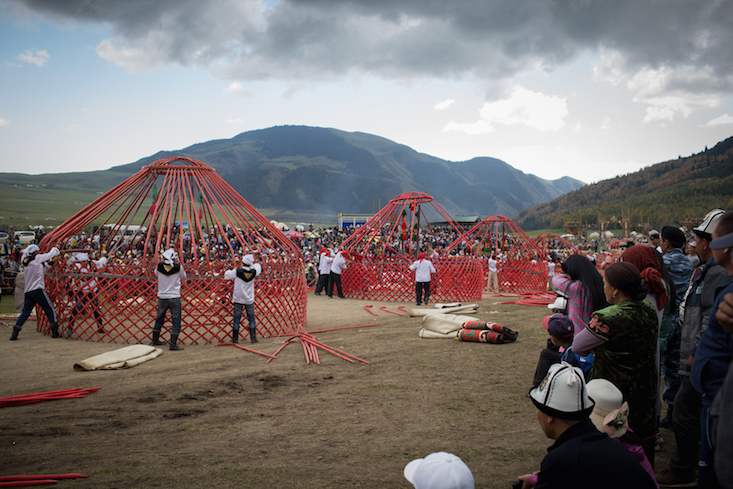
point(582, 456)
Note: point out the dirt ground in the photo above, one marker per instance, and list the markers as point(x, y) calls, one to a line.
point(220, 417)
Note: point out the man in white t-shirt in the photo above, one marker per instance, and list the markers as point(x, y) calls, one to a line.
point(244, 295)
point(339, 265)
point(170, 275)
point(493, 275)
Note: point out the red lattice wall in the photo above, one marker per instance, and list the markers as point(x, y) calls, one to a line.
point(385, 247)
point(524, 266)
point(211, 227)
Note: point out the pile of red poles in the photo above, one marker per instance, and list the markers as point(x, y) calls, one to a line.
point(45, 396)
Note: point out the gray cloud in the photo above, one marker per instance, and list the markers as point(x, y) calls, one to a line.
point(402, 39)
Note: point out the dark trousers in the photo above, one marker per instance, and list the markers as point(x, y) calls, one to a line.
point(419, 288)
point(686, 416)
point(671, 364)
point(175, 307)
point(706, 477)
point(33, 297)
point(323, 279)
point(88, 298)
point(335, 280)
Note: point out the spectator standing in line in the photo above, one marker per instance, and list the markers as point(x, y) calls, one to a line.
point(680, 268)
point(581, 283)
point(694, 313)
point(422, 268)
point(244, 295)
point(170, 276)
point(35, 289)
point(714, 354)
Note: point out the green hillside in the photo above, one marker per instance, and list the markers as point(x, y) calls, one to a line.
point(305, 173)
point(667, 193)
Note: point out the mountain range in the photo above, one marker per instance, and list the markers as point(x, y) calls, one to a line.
point(297, 172)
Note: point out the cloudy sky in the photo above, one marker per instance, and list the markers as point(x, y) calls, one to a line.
point(586, 88)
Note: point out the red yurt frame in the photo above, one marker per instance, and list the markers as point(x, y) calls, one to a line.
point(386, 245)
point(522, 264)
point(183, 204)
point(561, 245)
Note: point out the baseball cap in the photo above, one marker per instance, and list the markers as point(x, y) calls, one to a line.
point(559, 326)
point(439, 470)
point(722, 242)
point(563, 393)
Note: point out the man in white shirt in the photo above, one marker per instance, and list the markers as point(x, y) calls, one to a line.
point(35, 288)
point(338, 266)
point(170, 276)
point(86, 292)
point(244, 295)
point(422, 268)
point(493, 276)
point(324, 271)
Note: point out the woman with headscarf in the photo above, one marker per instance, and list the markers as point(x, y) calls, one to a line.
point(624, 337)
point(35, 289)
point(422, 268)
point(645, 259)
point(581, 283)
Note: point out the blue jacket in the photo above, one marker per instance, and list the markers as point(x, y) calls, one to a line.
point(680, 268)
point(714, 353)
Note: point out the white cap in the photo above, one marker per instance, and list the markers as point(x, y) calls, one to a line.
point(563, 393)
point(439, 470)
point(248, 260)
point(611, 413)
point(32, 248)
point(561, 303)
point(80, 256)
point(169, 255)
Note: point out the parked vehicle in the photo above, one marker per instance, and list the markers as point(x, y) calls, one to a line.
point(25, 237)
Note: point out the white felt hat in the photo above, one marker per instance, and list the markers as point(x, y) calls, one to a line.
point(611, 413)
point(563, 393)
point(439, 470)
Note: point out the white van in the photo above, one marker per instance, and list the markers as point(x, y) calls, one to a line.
point(123, 232)
point(25, 237)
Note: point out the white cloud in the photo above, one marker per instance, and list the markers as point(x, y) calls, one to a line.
point(4, 122)
point(444, 104)
point(236, 89)
point(70, 128)
point(718, 121)
point(238, 120)
point(523, 107)
point(34, 56)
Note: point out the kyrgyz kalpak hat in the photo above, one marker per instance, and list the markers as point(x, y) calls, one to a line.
point(563, 393)
point(705, 229)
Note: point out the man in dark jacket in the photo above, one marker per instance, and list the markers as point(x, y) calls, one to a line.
point(694, 313)
point(714, 353)
point(582, 456)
